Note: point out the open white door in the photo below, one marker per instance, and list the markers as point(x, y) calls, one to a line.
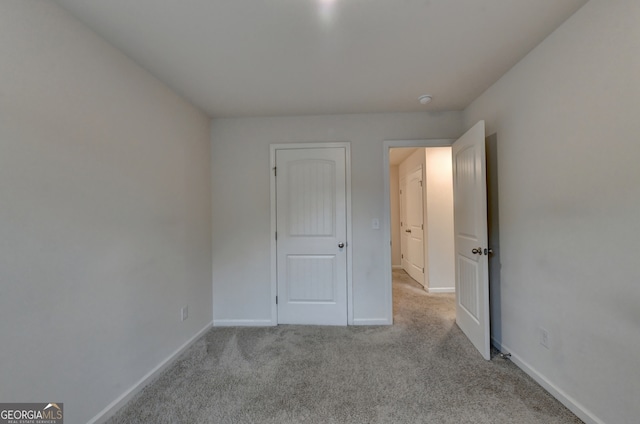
point(471, 240)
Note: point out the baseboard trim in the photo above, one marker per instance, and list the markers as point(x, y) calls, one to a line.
point(125, 397)
point(441, 289)
point(371, 321)
point(396, 266)
point(243, 323)
point(573, 405)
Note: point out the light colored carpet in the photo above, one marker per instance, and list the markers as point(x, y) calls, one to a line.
point(420, 370)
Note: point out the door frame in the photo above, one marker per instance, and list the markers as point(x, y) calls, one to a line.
point(274, 259)
point(386, 221)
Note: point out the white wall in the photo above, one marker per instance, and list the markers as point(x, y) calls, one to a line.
point(394, 199)
point(104, 217)
point(567, 128)
point(439, 208)
point(241, 236)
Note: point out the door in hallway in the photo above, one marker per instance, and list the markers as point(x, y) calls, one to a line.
point(413, 225)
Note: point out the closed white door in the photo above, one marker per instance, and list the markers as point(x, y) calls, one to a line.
point(471, 241)
point(414, 228)
point(311, 241)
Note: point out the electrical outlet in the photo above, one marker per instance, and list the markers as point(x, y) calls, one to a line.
point(184, 313)
point(544, 337)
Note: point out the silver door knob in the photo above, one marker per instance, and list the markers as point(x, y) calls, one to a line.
point(477, 251)
point(340, 245)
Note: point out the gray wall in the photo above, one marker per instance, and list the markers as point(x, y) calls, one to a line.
point(241, 225)
point(104, 215)
point(567, 131)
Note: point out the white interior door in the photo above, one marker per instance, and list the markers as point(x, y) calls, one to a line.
point(471, 242)
point(311, 236)
point(414, 228)
point(404, 235)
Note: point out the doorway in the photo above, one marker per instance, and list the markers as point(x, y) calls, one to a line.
point(394, 236)
point(421, 210)
point(470, 218)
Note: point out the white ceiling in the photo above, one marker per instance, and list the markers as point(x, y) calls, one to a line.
point(298, 57)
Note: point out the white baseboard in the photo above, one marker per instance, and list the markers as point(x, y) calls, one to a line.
point(371, 321)
point(243, 323)
point(269, 323)
point(125, 397)
point(441, 289)
point(573, 405)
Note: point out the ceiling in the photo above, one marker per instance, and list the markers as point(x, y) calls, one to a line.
point(298, 57)
point(398, 154)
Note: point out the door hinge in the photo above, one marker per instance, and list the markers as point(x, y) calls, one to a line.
point(276, 235)
point(275, 171)
point(422, 225)
point(276, 300)
point(423, 270)
point(420, 183)
point(401, 223)
point(402, 256)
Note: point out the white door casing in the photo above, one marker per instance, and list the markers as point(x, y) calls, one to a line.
point(471, 238)
point(311, 225)
point(414, 228)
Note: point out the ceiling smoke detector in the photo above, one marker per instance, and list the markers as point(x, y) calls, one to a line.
point(425, 98)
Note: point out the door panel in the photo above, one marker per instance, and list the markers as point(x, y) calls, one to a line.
point(312, 198)
point(468, 291)
point(311, 278)
point(311, 225)
point(470, 223)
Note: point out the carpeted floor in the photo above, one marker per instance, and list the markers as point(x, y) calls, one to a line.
point(420, 370)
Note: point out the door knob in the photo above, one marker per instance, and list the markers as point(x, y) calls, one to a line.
point(341, 245)
point(407, 231)
point(477, 251)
